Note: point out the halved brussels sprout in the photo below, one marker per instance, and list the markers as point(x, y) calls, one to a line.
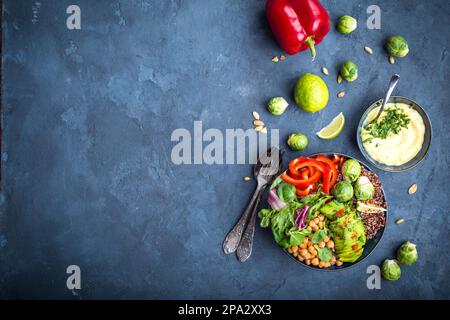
point(390, 270)
point(277, 105)
point(397, 46)
point(349, 71)
point(407, 253)
point(364, 189)
point(297, 141)
point(346, 24)
point(343, 191)
point(351, 170)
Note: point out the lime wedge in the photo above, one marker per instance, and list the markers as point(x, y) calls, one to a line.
point(368, 208)
point(333, 129)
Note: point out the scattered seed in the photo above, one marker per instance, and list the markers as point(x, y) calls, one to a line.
point(247, 178)
point(255, 115)
point(400, 221)
point(413, 188)
point(259, 128)
point(282, 57)
point(391, 60)
point(264, 130)
point(368, 50)
point(275, 59)
point(325, 71)
point(339, 79)
point(258, 123)
point(341, 94)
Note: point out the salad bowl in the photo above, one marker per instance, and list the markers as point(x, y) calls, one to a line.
point(370, 244)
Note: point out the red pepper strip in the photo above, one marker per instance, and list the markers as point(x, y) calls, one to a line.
point(304, 174)
point(340, 213)
point(299, 183)
point(334, 173)
point(296, 165)
point(297, 24)
point(304, 192)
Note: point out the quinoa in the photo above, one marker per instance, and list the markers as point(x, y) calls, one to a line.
point(374, 221)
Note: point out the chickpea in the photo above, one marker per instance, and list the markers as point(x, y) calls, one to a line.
point(315, 262)
point(312, 224)
point(316, 220)
point(315, 228)
point(306, 240)
point(295, 254)
point(321, 264)
point(308, 256)
point(295, 249)
point(339, 263)
point(311, 248)
point(308, 262)
point(303, 252)
point(321, 244)
point(309, 228)
point(320, 224)
point(290, 250)
point(314, 253)
point(327, 265)
point(330, 244)
point(333, 259)
point(327, 238)
point(299, 257)
point(321, 218)
point(303, 246)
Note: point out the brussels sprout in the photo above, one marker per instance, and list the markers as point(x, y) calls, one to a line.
point(343, 191)
point(397, 46)
point(349, 71)
point(351, 170)
point(297, 141)
point(390, 270)
point(277, 105)
point(347, 24)
point(364, 189)
point(407, 253)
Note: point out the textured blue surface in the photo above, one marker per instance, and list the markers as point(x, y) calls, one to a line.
point(87, 175)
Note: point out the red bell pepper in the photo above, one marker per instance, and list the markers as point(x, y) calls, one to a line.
point(297, 24)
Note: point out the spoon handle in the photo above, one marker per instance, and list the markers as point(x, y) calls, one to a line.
point(233, 238)
point(391, 87)
point(244, 249)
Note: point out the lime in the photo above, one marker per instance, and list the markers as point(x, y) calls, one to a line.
point(368, 208)
point(333, 129)
point(311, 93)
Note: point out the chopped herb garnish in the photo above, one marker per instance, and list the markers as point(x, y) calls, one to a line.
point(394, 120)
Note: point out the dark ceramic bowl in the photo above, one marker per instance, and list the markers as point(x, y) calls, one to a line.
point(370, 244)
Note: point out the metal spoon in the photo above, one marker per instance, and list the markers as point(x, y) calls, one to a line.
point(267, 167)
point(391, 87)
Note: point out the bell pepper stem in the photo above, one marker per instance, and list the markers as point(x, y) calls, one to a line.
point(312, 48)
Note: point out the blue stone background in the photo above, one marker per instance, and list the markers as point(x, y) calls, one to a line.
point(87, 177)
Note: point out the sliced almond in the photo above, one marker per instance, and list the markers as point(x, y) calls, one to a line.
point(341, 94)
point(247, 178)
point(255, 115)
point(325, 71)
point(259, 128)
point(368, 50)
point(391, 60)
point(258, 123)
point(264, 130)
point(339, 79)
point(413, 188)
point(400, 221)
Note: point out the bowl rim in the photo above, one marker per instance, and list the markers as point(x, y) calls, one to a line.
point(382, 230)
point(381, 166)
